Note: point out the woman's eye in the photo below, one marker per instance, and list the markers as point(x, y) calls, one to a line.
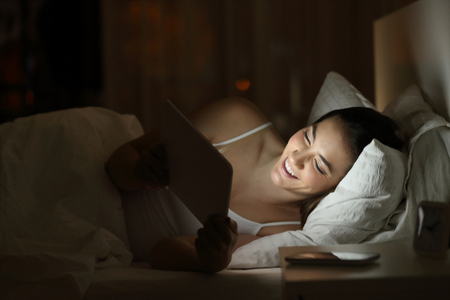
point(318, 168)
point(306, 137)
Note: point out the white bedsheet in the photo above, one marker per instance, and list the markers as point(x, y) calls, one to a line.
point(60, 216)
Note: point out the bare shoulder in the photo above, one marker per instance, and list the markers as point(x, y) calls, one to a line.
point(226, 118)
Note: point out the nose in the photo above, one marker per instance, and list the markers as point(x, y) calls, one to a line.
point(299, 158)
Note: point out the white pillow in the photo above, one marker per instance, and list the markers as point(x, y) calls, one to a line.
point(53, 165)
point(413, 115)
point(429, 166)
point(428, 138)
point(359, 208)
point(336, 93)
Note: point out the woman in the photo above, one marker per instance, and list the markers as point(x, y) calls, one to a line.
point(275, 185)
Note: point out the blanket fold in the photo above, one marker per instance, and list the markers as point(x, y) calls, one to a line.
point(60, 216)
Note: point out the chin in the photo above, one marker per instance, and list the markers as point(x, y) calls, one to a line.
point(276, 178)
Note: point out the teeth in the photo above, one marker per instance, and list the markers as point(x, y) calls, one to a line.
point(288, 168)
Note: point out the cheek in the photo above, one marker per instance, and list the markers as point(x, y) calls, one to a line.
point(312, 179)
point(315, 181)
point(297, 139)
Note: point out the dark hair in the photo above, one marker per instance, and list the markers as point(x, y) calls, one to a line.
point(361, 125)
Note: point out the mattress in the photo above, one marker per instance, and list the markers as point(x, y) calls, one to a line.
point(140, 282)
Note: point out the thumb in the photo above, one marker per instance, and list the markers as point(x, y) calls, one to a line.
point(233, 225)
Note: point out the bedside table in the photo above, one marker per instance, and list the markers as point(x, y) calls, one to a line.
point(398, 274)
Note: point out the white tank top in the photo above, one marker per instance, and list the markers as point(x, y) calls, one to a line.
point(246, 226)
point(240, 137)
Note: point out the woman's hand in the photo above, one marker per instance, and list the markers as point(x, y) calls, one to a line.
point(215, 243)
point(152, 168)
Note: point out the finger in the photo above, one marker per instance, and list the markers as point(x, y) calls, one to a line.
point(225, 225)
point(205, 241)
point(145, 172)
point(142, 174)
point(156, 166)
point(147, 176)
point(160, 151)
point(215, 238)
point(153, 168)
point(204, 255)
point(222, 226)
point(233, 225)
point(153, 160)
point(203, 236)
point(199, 246)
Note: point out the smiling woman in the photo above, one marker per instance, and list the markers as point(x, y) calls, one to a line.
point(346, 133)
point(314, 160)
point(275, 185)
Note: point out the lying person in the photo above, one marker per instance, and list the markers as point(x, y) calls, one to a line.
point(275, 185)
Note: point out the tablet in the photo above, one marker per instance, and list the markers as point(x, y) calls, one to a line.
point(199, 175)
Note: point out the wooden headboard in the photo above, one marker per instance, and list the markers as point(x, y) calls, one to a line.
point(412, 45)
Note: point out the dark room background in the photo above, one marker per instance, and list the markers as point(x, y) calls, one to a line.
point(131, 55)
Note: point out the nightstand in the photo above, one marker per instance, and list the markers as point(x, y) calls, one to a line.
point(398, 274)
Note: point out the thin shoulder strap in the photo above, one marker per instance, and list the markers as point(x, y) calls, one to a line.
point(224, 148)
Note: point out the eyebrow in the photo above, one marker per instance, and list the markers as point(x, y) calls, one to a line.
point(326, 163)
point(321, 157)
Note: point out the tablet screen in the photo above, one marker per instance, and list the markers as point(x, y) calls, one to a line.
point(199, 175)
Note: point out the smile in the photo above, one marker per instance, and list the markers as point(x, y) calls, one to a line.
point(287, 169)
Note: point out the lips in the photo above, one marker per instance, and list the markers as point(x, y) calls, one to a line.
point(287, 171)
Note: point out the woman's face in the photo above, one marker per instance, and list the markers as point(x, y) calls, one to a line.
point(314, 161)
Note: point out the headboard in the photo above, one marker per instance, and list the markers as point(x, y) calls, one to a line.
point(412, 45)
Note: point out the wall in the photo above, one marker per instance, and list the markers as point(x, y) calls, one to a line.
point(131, 55)
point(49, 56)
point(193, 52)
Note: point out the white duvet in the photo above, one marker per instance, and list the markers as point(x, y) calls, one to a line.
point(60, 216)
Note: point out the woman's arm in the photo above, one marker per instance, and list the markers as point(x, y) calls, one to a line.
point(120, 168)
point(135, 165)
point(175, 253)
point(210, 251)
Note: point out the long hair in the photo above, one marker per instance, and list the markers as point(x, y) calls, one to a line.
point(361, 125)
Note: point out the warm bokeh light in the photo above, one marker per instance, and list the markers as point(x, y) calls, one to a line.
point(153, 13)
point(174, 25)
point(135, 10)
point(13, 101)
point(29, 97)
point(242, 84)
point(10, 65)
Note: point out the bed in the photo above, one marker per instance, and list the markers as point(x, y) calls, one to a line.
point(62, 226)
